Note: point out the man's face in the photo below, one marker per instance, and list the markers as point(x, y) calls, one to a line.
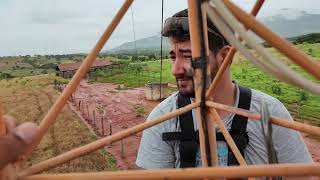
point(180, 54)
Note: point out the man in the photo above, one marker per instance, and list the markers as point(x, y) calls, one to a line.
point(160, 150)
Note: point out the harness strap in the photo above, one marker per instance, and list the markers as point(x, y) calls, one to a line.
point(188, 145)
point(178, 136)
point(239, 125)
point(189, 139)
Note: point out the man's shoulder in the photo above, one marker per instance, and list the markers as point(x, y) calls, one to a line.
point(258, 97)
point(167, 105)
point(274, 105)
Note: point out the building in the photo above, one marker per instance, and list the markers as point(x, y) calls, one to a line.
point(69, 69)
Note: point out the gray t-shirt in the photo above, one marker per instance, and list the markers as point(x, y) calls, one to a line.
point(154, 153)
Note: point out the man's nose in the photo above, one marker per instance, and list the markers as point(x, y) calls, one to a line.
point(178, 67)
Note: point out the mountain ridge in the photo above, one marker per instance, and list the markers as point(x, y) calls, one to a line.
point(286, 23)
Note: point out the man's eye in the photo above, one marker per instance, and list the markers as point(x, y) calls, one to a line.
point(173, 58)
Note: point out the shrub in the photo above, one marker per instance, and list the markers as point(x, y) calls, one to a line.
point(5, 75)
point(276, 89)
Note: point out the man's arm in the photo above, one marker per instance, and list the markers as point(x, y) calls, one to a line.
point(289, 144)
point(153, 152)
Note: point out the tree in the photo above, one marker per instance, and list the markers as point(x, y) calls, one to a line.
point(5, 75)
point(48, 66)
point(142, 58)
point(151, 57)
point(134, 58)
point(303, 97)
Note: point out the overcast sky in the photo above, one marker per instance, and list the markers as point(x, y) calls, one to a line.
point(73, 26)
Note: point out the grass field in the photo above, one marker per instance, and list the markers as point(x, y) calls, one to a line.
point(296, 100)
point(28, 99)
point(138, 74)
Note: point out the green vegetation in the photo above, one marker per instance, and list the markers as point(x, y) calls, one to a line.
point(4, 75)
point(304, 104)
point(312, 50)
point(138, 74)
point(20, 66)
point(139, 108)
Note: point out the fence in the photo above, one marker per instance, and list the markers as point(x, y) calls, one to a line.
point(99, 122)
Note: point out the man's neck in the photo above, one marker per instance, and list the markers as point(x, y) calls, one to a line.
point(225, 93)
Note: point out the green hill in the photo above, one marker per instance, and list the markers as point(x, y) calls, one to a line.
point(149, 45)
point(307, 38)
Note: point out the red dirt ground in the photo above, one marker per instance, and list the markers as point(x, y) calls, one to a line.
point(118, 108)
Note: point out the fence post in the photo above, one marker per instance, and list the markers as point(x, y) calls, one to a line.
point(74, 99)
point(88, 115)
point(122, 149)
point(55, 84)
point(79, 105)
point(102, 127)
point(82, 109)
point(110, 132)
point(94, 118)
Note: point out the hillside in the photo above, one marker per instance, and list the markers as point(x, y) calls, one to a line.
point(21, 66)
point(17, 66)
point(308, 38)
point(290, 23)
point(142, 45)
point(29, 99)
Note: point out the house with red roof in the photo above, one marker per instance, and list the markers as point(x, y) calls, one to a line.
point(69, 69)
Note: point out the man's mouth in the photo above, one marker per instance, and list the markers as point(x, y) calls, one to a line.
point(184, 79)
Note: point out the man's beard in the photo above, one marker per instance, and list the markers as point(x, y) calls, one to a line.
point(185, 83)
point(186, 90)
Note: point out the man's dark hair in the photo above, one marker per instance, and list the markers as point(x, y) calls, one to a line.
point(216, 39)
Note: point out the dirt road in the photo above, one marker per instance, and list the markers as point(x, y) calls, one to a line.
point(106, 107)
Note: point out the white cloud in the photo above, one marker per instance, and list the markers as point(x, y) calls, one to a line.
point(59, 26)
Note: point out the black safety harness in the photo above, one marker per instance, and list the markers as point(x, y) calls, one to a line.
point(189, 138)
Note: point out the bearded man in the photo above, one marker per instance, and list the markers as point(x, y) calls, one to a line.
point(174, 143)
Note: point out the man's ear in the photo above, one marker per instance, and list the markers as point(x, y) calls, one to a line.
point(224, 51)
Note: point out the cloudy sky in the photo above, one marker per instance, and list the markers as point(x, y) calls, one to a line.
point(73, 26)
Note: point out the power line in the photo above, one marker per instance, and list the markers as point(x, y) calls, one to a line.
point(134, 32)
point(161, 44)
